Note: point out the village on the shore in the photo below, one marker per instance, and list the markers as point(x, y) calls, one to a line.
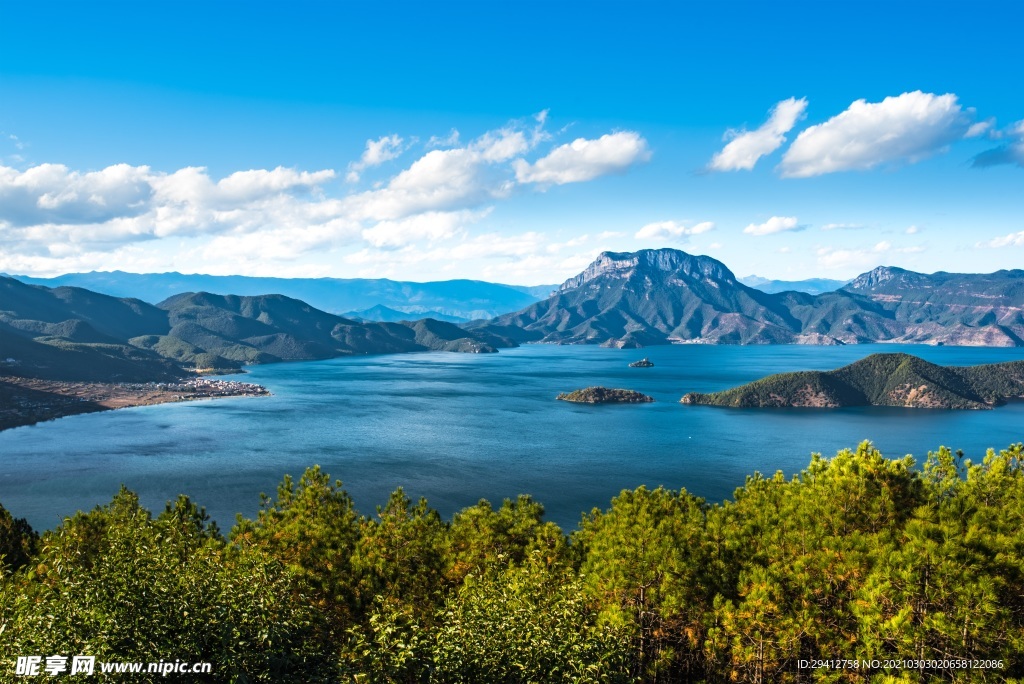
point(25, 401)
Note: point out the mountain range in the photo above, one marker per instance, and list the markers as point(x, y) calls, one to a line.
point(71, 333)
point(644, 298)
point(458, 300)
point(667, 296)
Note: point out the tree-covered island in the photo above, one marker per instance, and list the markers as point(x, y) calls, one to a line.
point(604, 395)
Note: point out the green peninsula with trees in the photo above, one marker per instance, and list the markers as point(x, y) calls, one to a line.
point(900, 380)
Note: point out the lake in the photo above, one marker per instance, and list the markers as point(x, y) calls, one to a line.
point(456, 428)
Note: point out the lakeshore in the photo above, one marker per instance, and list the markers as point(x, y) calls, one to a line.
point(26, 401)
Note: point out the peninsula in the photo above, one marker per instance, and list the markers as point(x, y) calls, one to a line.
point(26, 401)
point(899, 380)
point(604, 395)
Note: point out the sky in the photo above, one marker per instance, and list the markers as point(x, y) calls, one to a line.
point(509, 141)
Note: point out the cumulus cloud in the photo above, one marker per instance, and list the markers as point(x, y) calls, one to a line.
point(746, 147)
point(906, 128)
point(584, 160)
point(376, 153)
point(776, 224)
point(49, 206)
point(441, 180)
point(1011, 240)
point(54, 219)
point(672, 230)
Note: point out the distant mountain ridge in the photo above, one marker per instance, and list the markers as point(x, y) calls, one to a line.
point(461, 299)
point(74, 334)
point(899, 380)
point(383, 313)
point(810, 285)
point(667, 296)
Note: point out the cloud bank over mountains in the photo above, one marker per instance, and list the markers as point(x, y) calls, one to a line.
point(426, 205)
point(53, 218)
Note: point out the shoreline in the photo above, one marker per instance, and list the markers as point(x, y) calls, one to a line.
point(27, 401)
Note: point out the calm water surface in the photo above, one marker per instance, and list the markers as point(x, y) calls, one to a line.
point(459, 427)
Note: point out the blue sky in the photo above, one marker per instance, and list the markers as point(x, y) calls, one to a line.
point(509, 141)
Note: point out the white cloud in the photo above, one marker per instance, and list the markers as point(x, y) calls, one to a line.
point(571, 243)
point(1011, 240)
point(450, 179)
point(839, 259)
point(672, 230)
point(376, 153)
point(274, 221)
point(431, 226)
point(776, 224)
point(746, 147)
point(450, 140)
point(907, 128)
point(584, 160)
point(980, 128)
point(912, 230)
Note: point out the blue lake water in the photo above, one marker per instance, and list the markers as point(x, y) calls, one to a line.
point(459, 427)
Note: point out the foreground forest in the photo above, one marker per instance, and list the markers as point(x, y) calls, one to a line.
point(859, 557)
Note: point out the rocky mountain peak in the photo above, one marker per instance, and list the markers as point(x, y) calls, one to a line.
point(876, 277)
point(656, 263)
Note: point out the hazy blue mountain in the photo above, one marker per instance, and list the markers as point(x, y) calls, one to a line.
point(667, 296)
point(536, 291)
point(879, 380)
point(810, 285)
point(463, 299)
point(387, 314)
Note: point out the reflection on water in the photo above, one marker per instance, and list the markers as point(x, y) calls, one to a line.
point(459, 427)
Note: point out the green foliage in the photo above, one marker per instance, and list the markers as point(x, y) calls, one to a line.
point(527, 624)
point(312, 529)
point(121, 586)
point(857, 557)
point(399, 558)
point(481, 537)
point(18, 542)
point(648, 563)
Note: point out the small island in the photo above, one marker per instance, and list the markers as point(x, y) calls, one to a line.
point(642, 363)
point(900, 380)
point(604, 395)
